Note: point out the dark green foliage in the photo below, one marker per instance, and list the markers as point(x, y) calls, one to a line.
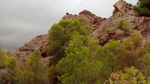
point(112, 52)
point(110, 56)
point(56, 33)
point(9, 69)
point(125, 25)
point(35, 69)
point(145, 57)
point(79, 66)
point(52, 74)
point(108, 30)
point(60, 34)
point(131, 47)
point(3, 59)
point(12, 63)
point(143, 7)
point(134, 41)
point(13, 71)
point(145, 60)
point(9, 52)
point(54, 46)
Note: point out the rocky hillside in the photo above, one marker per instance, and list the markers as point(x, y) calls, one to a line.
point(122, 10)
point(24, 52)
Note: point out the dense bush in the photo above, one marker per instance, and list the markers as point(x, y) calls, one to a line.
point(143, 7)
point(108, 30)
point(125, 25)
point(128, 76)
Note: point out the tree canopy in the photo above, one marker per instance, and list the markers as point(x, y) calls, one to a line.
point(78, 67)
point(143, 7)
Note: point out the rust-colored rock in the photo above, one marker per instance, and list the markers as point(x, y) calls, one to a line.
point(90, 19)
point(24, 52)
point(125, 11)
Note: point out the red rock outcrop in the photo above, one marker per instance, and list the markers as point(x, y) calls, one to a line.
point(90, 19)
point(24, 52)
point(125, 11)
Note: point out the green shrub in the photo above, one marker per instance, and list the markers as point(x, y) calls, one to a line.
point(128, 76)
point(148, 19)
point(125, 25)
point(3, 59)
point(143, 7)
point(108, 30)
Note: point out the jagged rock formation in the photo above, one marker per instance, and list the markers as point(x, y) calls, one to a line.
point(125, 11)
point(24, 52)
point(90, 19)
point(122, 10)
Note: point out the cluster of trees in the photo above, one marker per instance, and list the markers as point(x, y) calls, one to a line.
point(143, 7)
point(60, 35)
point(86, 62)
point(13, 72)
point(79, 59)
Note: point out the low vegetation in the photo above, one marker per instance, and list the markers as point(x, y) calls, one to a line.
point(108, 30)
point(127, 76)
point(125, 25)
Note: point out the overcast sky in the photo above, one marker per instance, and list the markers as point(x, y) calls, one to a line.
point(22, 20)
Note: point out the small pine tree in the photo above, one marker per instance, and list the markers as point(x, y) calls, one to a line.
point(110, 56)
point(35, 69)
point(131, 46)
point(12, 63)
point(3, 59)
point(9, 52)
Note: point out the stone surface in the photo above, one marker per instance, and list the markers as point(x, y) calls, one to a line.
point(90, 19)
point(24, 52)
point(125, 11)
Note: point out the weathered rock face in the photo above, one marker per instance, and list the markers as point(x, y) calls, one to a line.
point(121, 5)
point(122, 10)
point(24, 52)
point(90, 19)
